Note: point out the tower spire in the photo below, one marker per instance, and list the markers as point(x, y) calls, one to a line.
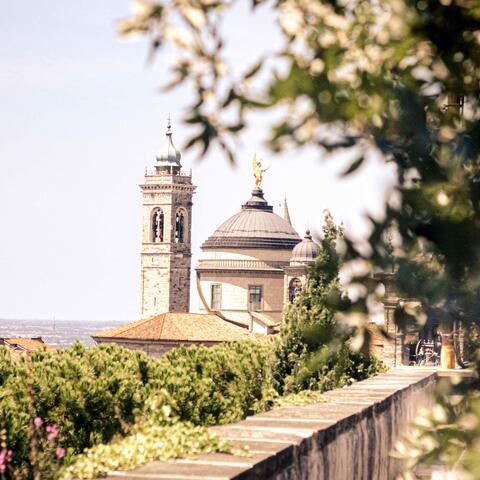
point(285, 212)
point(168, 157)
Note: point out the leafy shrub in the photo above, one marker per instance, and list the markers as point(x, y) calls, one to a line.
point(152, 442)
point(158, 435)
point(304, 397)
point(97, 393)
point(216, 385)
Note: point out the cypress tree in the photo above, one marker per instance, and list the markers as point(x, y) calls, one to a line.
point(309, 352)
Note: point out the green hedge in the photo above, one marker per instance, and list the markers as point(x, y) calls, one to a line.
point(96, 394)
point(215, 385)
point(93, 394)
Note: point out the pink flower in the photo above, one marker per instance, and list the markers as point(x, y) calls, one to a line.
point(38, 422)
point(4, 458)
point(60, 452)
point(52, 431)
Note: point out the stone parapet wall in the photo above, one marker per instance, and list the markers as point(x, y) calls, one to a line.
point(348, 437)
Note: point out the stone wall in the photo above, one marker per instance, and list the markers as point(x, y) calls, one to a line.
point(395, 350)
point(153, 348)
point(348, 437)
point(390, 351)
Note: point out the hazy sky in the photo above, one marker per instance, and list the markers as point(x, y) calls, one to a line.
point(80, 118)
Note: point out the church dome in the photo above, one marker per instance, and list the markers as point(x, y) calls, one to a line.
point(305, 252)
point(255, 226)
point(168, 155)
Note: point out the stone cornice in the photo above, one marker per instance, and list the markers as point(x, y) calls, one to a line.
point(238, 272)
point(169, 187)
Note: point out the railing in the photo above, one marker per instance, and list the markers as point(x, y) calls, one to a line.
point(154, 173)
point(241, 264)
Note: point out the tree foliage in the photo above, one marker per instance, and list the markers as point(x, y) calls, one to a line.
point(93, 395)
point(312, 351)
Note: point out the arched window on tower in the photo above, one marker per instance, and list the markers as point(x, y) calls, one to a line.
point(157, 225)
point(180, 227)
point(294, 289)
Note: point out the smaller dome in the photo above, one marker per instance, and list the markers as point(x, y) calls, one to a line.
point(168, 155)
point(305, 252)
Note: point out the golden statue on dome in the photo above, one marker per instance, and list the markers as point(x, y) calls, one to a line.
point(258, 171)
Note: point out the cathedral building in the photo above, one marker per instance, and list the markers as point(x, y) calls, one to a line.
point(253, 265)
point(250, 267)
point(242, 262)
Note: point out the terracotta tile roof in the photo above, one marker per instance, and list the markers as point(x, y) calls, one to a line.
point(178, 327)
point(265, 319)
point(28, 344)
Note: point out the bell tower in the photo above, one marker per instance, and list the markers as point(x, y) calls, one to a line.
point(166, 235)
